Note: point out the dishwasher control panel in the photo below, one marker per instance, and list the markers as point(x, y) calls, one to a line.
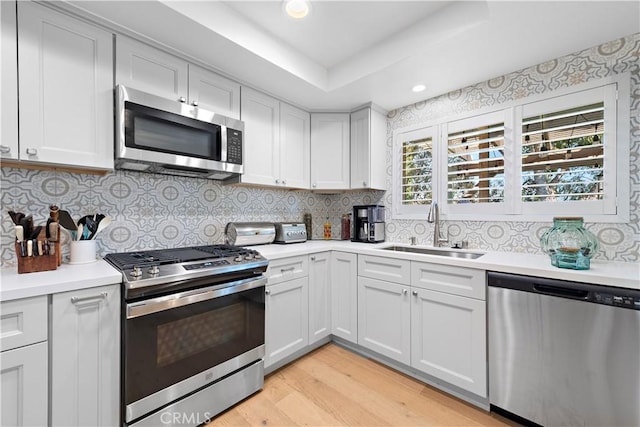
point(624, 301)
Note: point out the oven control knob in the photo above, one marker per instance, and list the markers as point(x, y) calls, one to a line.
point(248, 256)
point(136, 272)
point(238, 258)
point(154, 270)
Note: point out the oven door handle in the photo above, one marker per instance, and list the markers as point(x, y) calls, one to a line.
point(155, 305)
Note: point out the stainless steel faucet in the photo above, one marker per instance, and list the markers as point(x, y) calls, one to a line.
point(434, 218)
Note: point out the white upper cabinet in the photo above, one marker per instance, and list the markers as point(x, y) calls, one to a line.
point(330, 151)
point(65, 69)
point(276, 142)
point(9, 82)
point(261, 116)
point(368, 149)
point(151, 70)
point(295, 146)
point(214, 92)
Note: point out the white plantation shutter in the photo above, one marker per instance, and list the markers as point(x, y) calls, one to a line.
point(563, 155)
point(475, 165)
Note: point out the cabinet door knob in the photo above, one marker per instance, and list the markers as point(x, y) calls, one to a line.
point(313, 258)
point(404, 292)
point(364, 183)
point(267, 291)
point(5, 149)
point(182, 99)
point(284, 182)
point(194, 103)
point(32, 151)
point(415, 293)
point(314, 186)
point(277, 181)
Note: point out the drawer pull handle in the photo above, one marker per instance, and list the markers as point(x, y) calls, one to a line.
point(75, 300)
point(415, 293)
point(284, 270)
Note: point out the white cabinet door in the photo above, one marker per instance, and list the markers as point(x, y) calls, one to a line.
point(66, 89)
point(261, 116)
point(295, 146)
point(329, 151)
point(287, 319)
point(344, 295)
point(384, 317)
point(449, 339)
point(23, 379)
point(8, 82)
point(319, 296)
point(214, 92)
point(151, 70)
point(85, 357)
point(368, 149)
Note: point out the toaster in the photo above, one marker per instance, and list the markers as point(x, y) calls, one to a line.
point(290, 232)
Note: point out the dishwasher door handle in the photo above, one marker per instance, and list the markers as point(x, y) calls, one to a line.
point(561, 292)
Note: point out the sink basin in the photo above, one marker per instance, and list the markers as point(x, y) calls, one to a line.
point(432, 251)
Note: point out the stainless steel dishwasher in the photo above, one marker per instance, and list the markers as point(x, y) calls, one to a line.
point(563, 353)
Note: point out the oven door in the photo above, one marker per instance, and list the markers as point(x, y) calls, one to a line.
point(179, 343)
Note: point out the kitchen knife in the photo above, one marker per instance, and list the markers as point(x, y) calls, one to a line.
point(19, 233)
point(66, 221)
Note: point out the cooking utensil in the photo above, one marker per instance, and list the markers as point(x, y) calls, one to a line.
point(27, 226)
point(66, 221)
point(35, 233)
point(19, 233)
point(102, 224)
point(80, 230)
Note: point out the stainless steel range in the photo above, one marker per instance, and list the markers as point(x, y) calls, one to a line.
point(193, 332)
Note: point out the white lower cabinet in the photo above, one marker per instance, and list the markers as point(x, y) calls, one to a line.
point(319, 296)
point(85, 357)
point(344, 295)
point(24, 362)
point(384, 318)
point(287, 319)
point(448, 339)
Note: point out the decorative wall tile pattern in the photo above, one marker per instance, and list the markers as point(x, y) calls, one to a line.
point(618, 241)
point(157, 211)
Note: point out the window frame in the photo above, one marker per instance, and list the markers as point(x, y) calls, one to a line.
point(617, 180)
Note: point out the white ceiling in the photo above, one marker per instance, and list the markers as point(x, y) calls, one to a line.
point(347, 53)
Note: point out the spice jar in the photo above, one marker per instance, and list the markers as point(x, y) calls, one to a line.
point(327, 230)
point(569, 244)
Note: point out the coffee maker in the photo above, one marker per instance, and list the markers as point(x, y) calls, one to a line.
point(368, 223)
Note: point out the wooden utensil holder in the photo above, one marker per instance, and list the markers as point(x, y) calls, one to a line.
point(31, 264)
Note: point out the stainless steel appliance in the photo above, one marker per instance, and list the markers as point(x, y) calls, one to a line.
point(193, 332)
point(368, 223)
point(564, 353)
point(249, 233)
point(290, 232)
point(155, 134)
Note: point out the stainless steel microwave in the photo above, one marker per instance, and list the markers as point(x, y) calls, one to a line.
point(155, 134)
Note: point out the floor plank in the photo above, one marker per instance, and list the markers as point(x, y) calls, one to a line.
point(333, 386)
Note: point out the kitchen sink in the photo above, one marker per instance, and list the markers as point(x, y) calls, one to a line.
point(434, 251)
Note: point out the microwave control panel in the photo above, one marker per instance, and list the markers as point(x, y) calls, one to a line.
point(234, 146)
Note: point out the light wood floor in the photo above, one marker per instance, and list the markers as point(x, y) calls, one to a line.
point(335, 387)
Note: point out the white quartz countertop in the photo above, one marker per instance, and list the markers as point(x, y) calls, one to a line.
point(66, 277)
point(619, 274)
point(72, 277)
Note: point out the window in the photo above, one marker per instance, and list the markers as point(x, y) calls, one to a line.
point(415, 171)
point(565, 154)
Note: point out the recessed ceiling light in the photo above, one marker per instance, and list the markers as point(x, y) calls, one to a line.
point(418, 88)
point(297, 9)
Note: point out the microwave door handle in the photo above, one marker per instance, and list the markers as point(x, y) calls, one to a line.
point(164, 303)
point(223, 143)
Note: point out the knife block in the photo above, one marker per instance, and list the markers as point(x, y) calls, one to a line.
point(32, 264)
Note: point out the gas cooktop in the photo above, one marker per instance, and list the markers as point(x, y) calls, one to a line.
point(165, 266)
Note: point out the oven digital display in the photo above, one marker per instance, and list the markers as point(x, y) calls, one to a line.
point(207, 264)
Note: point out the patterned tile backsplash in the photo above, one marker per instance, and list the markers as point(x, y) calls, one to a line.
point(155, 211)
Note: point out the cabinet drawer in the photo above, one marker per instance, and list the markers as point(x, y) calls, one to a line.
point(23, 322)
point(281, 270)
point(466, 282)
point(381, 268)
